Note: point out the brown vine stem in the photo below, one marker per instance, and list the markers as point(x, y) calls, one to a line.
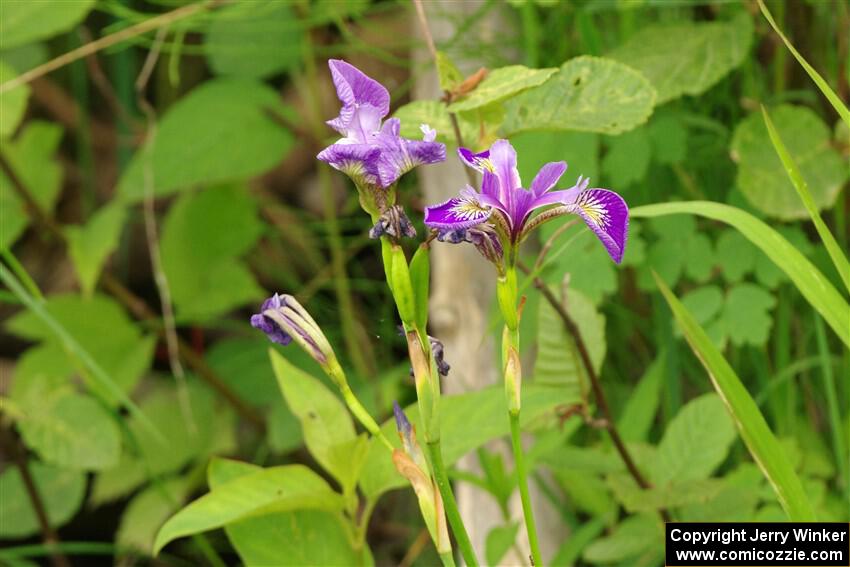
point(133, 303)
point(13, 448)
point(108, 41)
point(596, 385)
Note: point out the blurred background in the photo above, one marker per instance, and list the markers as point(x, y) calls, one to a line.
point(159, 185)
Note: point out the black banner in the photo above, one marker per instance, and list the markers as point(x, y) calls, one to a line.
point(814, 544)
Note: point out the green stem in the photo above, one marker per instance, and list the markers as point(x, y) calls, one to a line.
point(448, 559)
point(832, 405)
point(450, 505)
point(522, 480)
point(363, 415)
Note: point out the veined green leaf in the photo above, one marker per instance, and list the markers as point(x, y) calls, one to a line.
point(802, 188)
point(819, 81)
point(500, 84)
point(327, 426)
point(90, 245)
point(591, 94)
point(24, 22)
point(762, 444)
point(809, 281)
point(13, 103)
point(276, 489)
point(61, 490)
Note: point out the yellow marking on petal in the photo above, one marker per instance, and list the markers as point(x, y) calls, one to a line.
point(485, 163)
point(468, 209)
point(595, 210)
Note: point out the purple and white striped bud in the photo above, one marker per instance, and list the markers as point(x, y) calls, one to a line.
point(284, 320)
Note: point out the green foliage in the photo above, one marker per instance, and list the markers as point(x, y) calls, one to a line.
point(72, 431)
point(148, 511)
point(61, 491)
point(242, 141)
point(687, 58)
point(751, 424)
point(587, 94)
point(636, 536)
point(25, 22)
point(680, 250)
point(90, 245)
point(325, 422)
point(12, 103)
point(103, 330)
point(254, 40)
point(628, 157)
point(277, 489)
point(763, 178)
point(558, 362)
point(202, 238)
point(30, 156)
point(696, 441)
point(500, 84)
point(639, 412)
point(808, 280)
point(467, 421)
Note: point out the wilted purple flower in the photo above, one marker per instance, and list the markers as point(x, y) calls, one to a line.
point(393, 222)
point(371, 153)
point(283, 320)
point(503, 201)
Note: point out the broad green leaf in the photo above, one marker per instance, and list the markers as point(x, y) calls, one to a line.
point(735, 502)
point(61, 491)
point(276, 489)
point(295, 539)
point(500, 84)
point(687, 58)
point(824, 87)
point(627, 159)
point(209, 429)
point(90, 245)
point(30, 155)
point(499, 541)
point(585, 492)
point(736, 255)
point(809, 281)
point(763, 446)
point(579, 149)
point(190, 148)
point(99, 378)
point(148, 511)
point(324, 11)
point(763, 179)
point(72, 431)
point(325, 422)
point(680, 250)
point(580, 254)
point(696, 441)
point(467, 421)
point(253, 40)
point(243, 364)
point(704, 302)
point(635, 536)
point(102, 328)
point(669, 137)
point(25, 21)
point(586, 460)
point(588, 94)
point(12, 103)
point(746, 314)
point(835, 253)
point(573, 546)
point(639, 413)
point(678, 493)
point(434, 114)
point(558, 361)
point(202, 237)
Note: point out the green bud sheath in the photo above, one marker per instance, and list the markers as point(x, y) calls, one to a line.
point(402, 287)
point(420, 276)
point(506, 293)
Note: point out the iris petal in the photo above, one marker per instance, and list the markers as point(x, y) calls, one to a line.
point(359, 161)
point(546, 178)
point(607, 215)
point(458, 213)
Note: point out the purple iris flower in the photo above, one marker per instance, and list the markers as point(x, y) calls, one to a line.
point(503, 201)
point(370, 152)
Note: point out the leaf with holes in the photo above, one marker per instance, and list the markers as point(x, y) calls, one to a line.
point(591, 94)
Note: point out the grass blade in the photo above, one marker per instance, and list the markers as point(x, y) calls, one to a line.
point(73, 346)
point(818, 80)
point(811, 283)
point(762, 444)
point(802, 188)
